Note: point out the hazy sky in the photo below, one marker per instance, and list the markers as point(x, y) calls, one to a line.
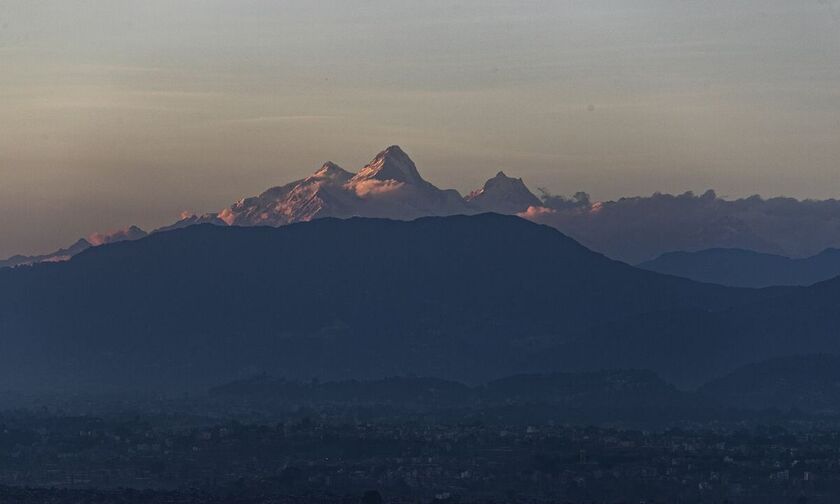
point(117, 112)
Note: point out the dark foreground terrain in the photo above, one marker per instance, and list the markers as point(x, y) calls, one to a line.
point(335, 462)
point(335, 444)
point(261, 365)
point(464, 298)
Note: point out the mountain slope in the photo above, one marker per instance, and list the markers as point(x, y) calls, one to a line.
point(689, 347)
point(808, 383)
point(63, 254)
point(456, 297)
point(745, 268)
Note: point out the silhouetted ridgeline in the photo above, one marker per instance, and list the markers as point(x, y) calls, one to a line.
point(802, 387)
point(607, 396)
point(810, 384)
point(471, 298)
point(466, 298)
point(745, 268)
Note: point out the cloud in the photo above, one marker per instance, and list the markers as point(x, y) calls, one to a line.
point(129, 233)
point(373, 187)
point(536, 212)
point(228, 216)
point(641, 228)
point(281, 118)
point(579, 200)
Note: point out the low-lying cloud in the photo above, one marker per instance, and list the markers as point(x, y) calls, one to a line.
point(640, 228)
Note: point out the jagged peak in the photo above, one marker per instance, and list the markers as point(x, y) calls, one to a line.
point(81, 242)
point(501, 177)
point(391, 164)
point(498, 182)
point(393, 151)
point(331, 170)
point(503, 194)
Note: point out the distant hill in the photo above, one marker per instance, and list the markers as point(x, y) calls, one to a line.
point(689, 346)
point(468, 298)
point(810, 384)
point(602, 396)
point(96, 239)
point(745, 268)
point(59, 255)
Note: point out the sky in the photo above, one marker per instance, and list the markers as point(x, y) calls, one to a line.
point(117, 112)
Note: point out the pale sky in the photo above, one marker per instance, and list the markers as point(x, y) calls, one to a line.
point(117, 112)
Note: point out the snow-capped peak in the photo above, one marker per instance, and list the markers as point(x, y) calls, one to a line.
point(390, 186)
point(391, 164)
point(503, 194)
point(333, 172)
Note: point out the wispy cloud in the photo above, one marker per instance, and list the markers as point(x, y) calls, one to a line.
point(281, 118)
point(109, 68)
point(104, 106)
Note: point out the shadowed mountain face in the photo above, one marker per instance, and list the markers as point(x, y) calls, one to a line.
point(688, 347)
point(745, 268)
point(809, 383)
point(461, 297)
point(59, 255)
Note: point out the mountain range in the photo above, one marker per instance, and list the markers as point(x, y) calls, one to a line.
point(390, 186)
point(794, 387)
point(633, 230)
point(746, 268)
